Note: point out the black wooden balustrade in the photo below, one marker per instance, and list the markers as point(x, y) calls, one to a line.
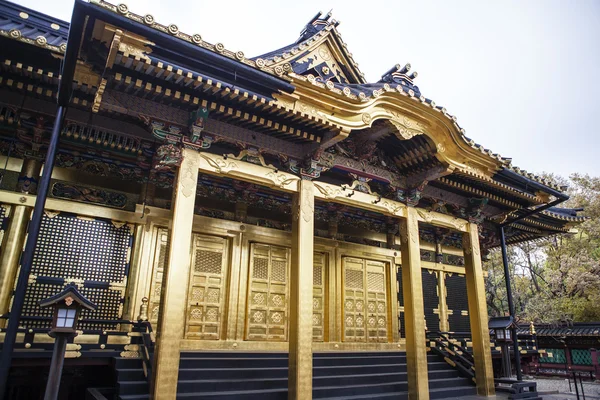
point(147, 349)
point(445, 345)
point(34, 342)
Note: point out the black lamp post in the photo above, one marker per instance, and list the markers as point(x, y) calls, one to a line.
point(67, 308)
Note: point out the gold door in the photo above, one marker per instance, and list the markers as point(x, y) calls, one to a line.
point(206, 288)
point(377, 310)
point(267, 310)
point(161, 253)
point(319, 288)
point(365, 301)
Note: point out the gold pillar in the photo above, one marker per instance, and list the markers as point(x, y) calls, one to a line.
point(11, 254)
point(133, 283)
point(29, 176)
point(147, 193)
point(301, 294)
point(171, 320)
point(414, 314)
point(332, 230)
point(241, 211)
point(478, 314)
point(390, 237)
point(443, 306)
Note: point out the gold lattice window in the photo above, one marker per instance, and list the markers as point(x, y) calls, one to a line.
point(267, 306)
point(365, 305)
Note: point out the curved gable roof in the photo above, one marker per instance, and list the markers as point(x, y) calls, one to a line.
point(320, 51)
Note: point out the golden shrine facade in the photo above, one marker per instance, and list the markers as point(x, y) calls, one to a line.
point(279, 203)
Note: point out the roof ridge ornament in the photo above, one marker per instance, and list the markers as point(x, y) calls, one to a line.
point(399, 74)
point(317, 24)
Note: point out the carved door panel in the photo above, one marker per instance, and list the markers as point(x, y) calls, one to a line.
point(319, 289)
point(377, 310)
point(365, 301)
point(161, 257)
point(354, 300)
point(267, 310)
point(206, 288)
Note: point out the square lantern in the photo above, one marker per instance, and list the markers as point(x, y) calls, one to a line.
point(68, 305)
point(502, 327)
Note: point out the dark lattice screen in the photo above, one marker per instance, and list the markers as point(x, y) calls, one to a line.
point(456, 288)
point(431, 300)
point(401, 304)
point(93, 253)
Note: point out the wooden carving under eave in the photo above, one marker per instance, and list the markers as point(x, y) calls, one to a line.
point(411, 196)
point(173, 134)
point(312, 166)
point(196, 123)
point(168, 157)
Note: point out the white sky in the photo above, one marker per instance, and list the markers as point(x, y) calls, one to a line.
point(523, 77)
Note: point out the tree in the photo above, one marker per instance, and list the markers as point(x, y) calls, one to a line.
point(556, 278)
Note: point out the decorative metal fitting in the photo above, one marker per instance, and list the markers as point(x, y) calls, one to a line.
point(143, 310)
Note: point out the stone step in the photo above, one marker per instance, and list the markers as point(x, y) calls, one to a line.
point(229, 354)
point(360, 389)
point(130, 374)
point(127, 363)
point(272, 394)
point(234, 384)
point(134, 387)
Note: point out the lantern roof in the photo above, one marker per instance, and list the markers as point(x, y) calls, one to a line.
point(70, 291)
point(501, 322)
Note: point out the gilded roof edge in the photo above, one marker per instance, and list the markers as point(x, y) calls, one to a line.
point(277, 70)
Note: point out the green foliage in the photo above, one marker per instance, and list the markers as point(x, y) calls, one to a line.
point(556, 279)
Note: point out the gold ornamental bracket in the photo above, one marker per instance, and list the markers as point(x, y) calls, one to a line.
point(84, 75)
point(123, 41)
point(126, 43)
point(442, 220)
point(271, 177)
point(225, 166)
point(372, 202)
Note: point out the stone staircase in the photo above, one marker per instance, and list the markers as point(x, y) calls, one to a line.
point(340, 375)
point(131, 382)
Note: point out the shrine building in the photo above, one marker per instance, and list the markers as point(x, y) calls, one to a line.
point(249, 227)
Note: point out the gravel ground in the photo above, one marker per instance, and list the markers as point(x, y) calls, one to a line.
point(562, 386)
